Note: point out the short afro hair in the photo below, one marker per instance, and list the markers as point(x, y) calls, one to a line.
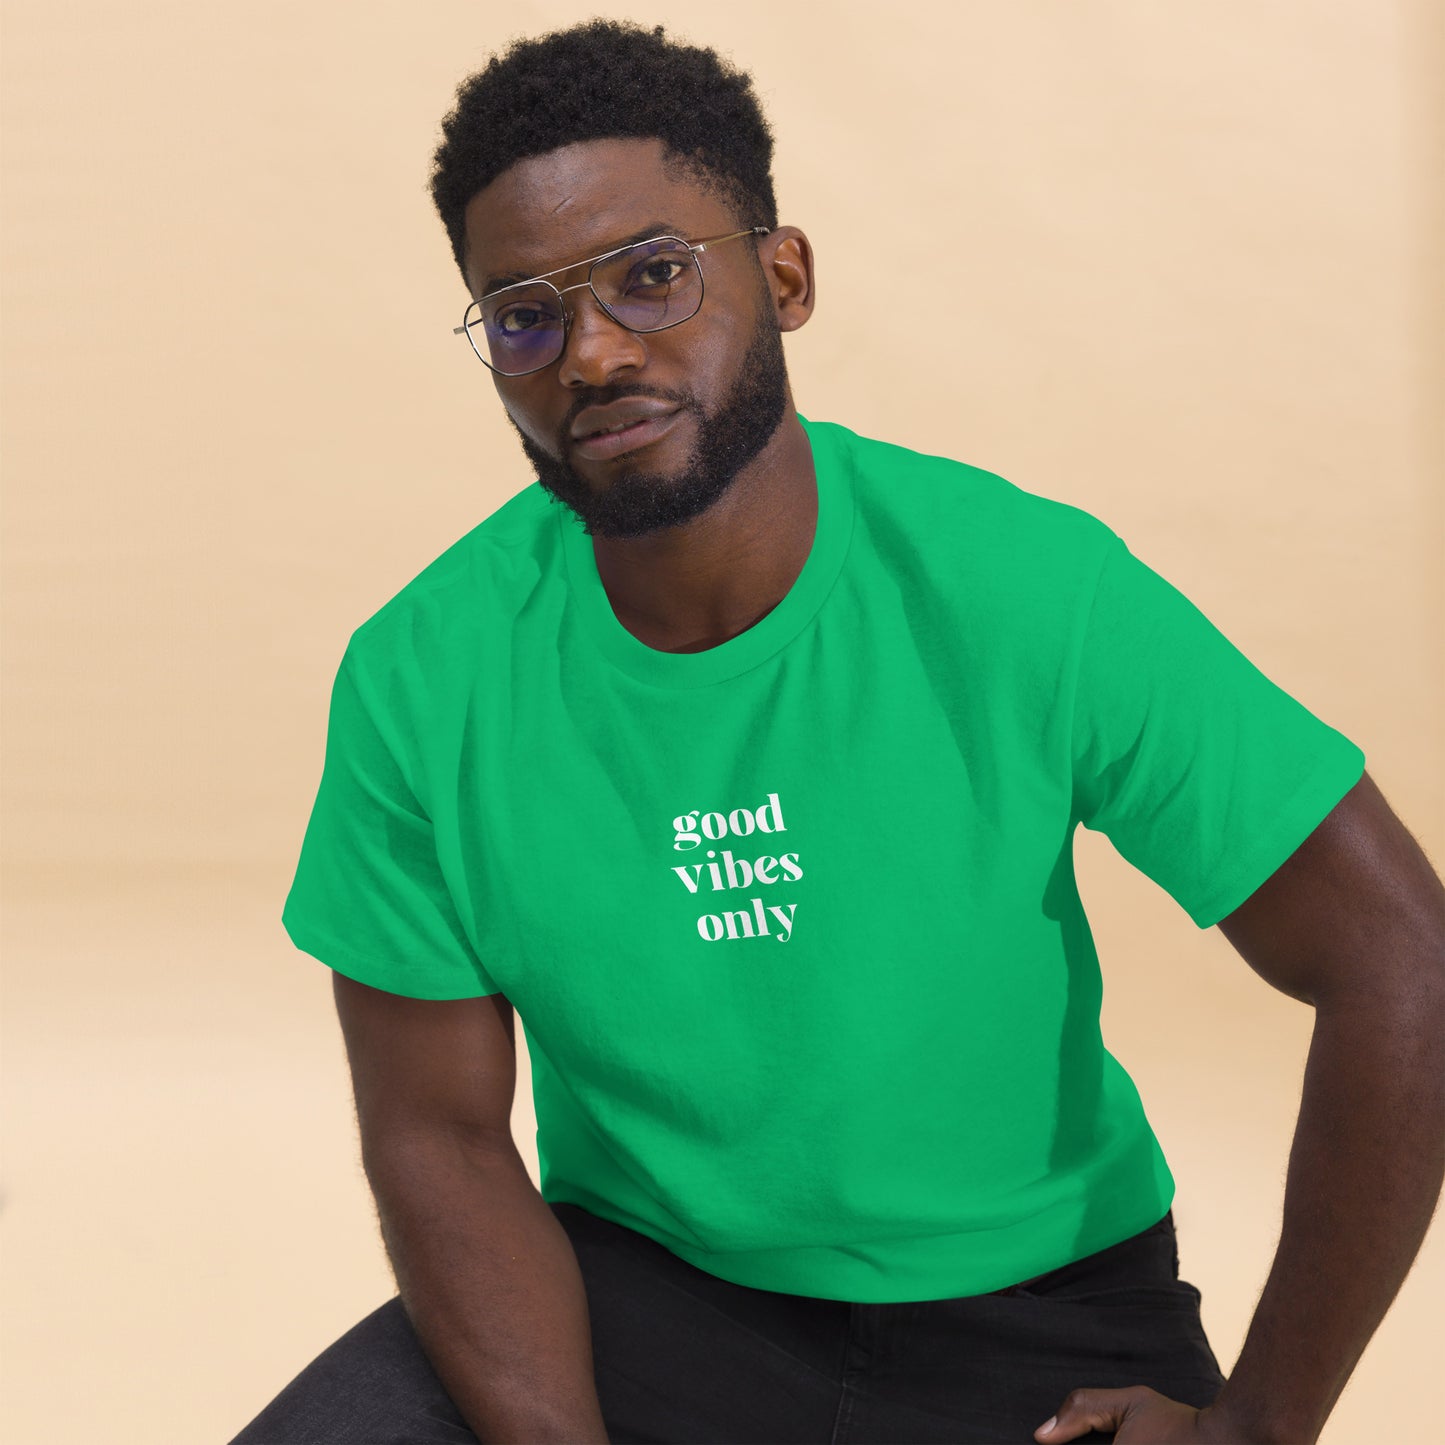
point(595, 81)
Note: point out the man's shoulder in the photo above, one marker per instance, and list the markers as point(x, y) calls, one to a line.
point(483, 574)
point(946, 504)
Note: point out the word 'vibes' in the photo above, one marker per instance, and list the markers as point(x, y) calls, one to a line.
point(727, 872)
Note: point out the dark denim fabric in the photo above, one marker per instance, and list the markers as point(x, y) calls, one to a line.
point(682, 1356)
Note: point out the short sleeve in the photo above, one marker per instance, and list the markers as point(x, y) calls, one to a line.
point(369, 898)
point(1204, 773)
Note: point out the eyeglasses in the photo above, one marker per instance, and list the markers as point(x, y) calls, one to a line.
point(647, 286)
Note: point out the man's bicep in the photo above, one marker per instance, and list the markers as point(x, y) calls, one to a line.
point(423, 1067)
point(1355, 913)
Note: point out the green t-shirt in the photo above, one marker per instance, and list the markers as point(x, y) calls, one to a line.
point(791, 924)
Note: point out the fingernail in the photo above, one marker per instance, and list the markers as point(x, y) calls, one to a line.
point(1048, 1425)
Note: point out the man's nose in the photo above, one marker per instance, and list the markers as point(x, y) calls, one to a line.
point(597, 347)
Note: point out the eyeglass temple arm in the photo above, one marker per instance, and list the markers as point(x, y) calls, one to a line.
point(718, 240)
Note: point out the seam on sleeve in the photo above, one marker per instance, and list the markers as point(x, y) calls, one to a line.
point(360, 966)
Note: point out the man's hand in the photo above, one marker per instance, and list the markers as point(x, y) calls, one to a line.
point(1140, 1416)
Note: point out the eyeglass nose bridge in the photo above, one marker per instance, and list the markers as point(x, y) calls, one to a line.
point(568, 312)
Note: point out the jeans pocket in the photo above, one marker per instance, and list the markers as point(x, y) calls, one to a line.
point(1178, 1294)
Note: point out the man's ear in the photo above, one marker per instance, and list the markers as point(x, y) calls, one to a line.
point(787, 259)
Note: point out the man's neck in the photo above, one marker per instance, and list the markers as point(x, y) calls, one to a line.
point(695, 586)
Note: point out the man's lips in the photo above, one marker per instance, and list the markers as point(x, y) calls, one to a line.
point(603, 446)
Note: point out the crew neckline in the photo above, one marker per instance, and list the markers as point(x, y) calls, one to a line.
point(834, 475)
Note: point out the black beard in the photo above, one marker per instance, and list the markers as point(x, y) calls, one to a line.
point(635, 501)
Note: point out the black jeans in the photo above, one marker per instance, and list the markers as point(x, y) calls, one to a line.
point(682, 1356)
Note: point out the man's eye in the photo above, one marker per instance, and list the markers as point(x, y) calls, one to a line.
point(661, 272)
point(520, 318)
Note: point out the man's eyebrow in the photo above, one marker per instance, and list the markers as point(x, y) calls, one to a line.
point(658, 228)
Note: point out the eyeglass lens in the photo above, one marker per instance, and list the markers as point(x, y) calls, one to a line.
point(647, 287)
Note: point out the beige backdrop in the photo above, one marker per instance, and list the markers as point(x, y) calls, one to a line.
point(1192, 286)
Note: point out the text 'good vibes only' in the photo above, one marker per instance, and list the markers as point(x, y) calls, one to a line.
point(723, 873)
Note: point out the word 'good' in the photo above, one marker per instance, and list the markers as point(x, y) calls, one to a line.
point(740, 822)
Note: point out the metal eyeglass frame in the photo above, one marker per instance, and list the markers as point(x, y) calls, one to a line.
point(592, 263)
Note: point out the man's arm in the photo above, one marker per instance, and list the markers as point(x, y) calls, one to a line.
point(487, 1275)
point(1354, 925)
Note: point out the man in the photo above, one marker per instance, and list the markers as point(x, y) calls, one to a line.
point(748, 774)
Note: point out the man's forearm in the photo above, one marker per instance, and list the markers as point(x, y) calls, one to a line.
point(491, 1284)
point(1365, 1172)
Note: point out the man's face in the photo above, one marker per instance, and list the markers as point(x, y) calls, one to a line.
point(720, 376)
